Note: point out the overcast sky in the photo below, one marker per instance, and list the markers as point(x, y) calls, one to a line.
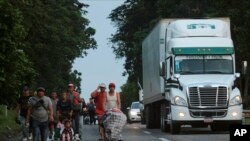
point(100, 64)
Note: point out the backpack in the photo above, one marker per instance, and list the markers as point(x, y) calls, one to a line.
point(91, 107)
point(74, 99)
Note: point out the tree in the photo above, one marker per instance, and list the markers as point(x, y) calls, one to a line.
point(15, 68)
point(76, 79)
point(57, 33)
point(39, 42)
point(128, 95)
point(135, 18)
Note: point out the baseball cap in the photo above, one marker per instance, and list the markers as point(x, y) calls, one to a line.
point(40, 89)
point(25, 88)
point(102, 85)
point(111, 85)
point(71, 85)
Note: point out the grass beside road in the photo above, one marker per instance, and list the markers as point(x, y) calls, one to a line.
point(9, 129)
point(7, 122)
point(247, 121)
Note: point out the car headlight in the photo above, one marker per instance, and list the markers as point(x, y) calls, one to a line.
point(179, 101)
point(133, 113)
point(236, 100)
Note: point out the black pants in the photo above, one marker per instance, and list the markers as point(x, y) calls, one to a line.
point(76, 121)
point(92, 116)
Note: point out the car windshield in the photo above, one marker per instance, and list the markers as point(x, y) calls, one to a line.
point(204, 64)
point(135, 105)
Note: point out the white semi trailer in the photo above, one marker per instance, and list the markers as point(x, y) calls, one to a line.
point(189, 75)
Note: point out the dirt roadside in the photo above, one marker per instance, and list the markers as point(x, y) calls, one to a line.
point(10, 135)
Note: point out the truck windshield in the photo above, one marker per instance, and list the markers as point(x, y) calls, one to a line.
point(204, 64)
point(135, 105)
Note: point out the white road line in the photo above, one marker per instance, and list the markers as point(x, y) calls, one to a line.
point(146, 132)
point(163, 139)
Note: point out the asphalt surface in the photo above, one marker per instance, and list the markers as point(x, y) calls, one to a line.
point(138, 132)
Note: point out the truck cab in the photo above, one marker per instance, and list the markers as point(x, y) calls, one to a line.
point(196, 81)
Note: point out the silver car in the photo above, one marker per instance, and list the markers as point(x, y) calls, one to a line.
point(134, 112)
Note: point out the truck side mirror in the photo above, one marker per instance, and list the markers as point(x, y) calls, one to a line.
point(244, 79)
point(244, 67)
point(237, 75)
point(162, 69)
point(177, 76)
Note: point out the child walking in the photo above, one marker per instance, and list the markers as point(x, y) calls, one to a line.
point(67, 131)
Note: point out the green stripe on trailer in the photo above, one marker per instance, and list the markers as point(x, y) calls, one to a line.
point(202, 50)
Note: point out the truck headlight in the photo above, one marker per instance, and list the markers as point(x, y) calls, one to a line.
point(236, 100)
point(179, 101)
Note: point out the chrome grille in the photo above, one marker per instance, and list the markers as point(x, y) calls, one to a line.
point(208, 113)
point(208, 96)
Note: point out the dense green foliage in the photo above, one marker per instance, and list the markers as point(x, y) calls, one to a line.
point(128, 95)
point(15, 68)
point(135, 18)
point(39, 40)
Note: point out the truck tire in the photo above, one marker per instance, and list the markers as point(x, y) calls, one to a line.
point(174, 127)
point(164, 126)
point(143, 120)
point(157, 115)
point(149, 118)
point(129, 121)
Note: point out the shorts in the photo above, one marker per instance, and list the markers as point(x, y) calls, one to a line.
point(100, 120)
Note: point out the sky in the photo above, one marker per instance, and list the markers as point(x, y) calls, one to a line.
point(100, 65)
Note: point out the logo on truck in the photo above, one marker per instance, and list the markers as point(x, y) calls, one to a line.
point(196, 26)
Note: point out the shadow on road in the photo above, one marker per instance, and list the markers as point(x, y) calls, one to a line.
point(190, 130)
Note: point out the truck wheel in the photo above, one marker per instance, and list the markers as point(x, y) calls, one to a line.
point(143, 120)
point(157, 115)
point(129, 121)
point(149, 118)
point(174, 127)
point(164, 126)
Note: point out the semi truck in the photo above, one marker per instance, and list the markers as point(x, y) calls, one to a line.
point(189, 75)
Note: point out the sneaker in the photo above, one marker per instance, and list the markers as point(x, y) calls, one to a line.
point(30, 136)
point(77, 137)
point(25, 139)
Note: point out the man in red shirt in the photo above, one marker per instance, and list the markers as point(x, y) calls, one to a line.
point(99, 95)
point(76, 101)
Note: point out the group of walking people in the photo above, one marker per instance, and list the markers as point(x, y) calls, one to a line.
point(58, 118)
point(38, 113)
point(110, 118)
point(89, 116)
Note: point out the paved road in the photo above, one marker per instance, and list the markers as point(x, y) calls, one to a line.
point(137, 132)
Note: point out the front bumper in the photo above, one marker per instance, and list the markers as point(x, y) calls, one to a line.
point(134, 118)
point(181, 114)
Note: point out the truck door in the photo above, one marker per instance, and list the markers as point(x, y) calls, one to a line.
point(169, 68)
